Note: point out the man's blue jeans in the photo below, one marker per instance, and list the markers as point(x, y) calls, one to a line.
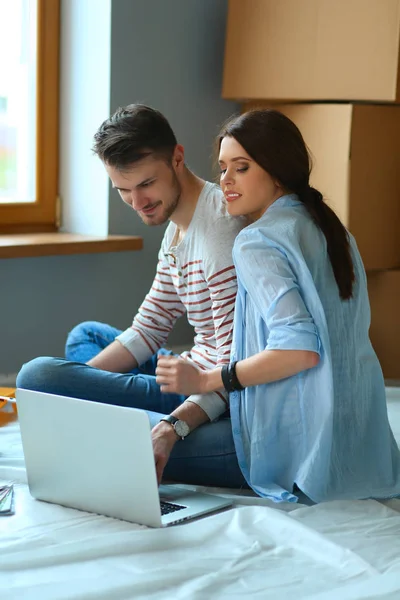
point(206, 457)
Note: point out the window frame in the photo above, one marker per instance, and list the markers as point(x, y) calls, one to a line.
point(43, 214)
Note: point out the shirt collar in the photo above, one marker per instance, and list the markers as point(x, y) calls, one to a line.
point(285, 201)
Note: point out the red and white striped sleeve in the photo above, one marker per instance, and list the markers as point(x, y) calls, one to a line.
point(220, 276)
point(155, 317)
point(223, 288)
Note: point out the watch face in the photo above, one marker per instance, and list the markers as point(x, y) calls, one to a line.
point(182, 428)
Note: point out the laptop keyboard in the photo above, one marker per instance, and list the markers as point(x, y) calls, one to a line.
point(169, 507)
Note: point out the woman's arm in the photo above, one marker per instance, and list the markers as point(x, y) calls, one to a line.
point(272, 365)
point(176, 375)
point(293, 343)
point(268, 366)
point(265, 367)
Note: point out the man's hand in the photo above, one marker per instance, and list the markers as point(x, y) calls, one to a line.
point(176, 375)
point(164, 438)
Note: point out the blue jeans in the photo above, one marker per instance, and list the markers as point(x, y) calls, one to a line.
point(206, 457)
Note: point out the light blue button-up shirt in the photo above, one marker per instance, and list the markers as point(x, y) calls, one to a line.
point(325, 429)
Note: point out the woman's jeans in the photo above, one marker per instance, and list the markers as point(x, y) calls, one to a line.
point(206, 457)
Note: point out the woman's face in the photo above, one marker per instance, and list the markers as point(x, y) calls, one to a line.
point(248, 189)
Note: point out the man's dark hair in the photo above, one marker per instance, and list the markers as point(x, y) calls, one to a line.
point(131, 134)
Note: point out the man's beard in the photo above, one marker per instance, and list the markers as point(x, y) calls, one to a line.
point(167, 211)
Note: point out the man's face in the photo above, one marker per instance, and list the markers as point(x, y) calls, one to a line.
point(149, 186)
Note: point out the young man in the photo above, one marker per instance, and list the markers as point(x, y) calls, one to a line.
point(195, 274)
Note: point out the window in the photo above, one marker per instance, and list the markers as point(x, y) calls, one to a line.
point(29, 82)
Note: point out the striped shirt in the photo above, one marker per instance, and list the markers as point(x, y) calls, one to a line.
point(197, 277)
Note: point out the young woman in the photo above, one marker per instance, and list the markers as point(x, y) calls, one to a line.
point(307, 395)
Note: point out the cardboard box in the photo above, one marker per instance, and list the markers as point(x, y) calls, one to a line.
point(384, 295)
point(356, 165)
point(287, 50)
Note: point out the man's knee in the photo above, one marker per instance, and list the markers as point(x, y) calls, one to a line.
point(83, 331)
point(39, 374)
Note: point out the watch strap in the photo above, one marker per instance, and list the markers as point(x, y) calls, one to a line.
point(181, 427)
point(170, 419)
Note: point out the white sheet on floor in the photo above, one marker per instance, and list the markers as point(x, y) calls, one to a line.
point(336, 550)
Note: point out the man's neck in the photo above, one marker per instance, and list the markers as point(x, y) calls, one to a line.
point(191, 189)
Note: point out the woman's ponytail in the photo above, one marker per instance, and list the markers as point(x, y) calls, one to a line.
point(337, 239)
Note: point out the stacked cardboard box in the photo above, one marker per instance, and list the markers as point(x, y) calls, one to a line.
point(333, 68)
point(384, 295)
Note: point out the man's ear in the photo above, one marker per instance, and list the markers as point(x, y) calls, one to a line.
point(178, 157)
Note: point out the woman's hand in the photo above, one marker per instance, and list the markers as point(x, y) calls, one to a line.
point(176, 375)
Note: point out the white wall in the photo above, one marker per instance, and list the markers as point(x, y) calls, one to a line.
point(85, 102)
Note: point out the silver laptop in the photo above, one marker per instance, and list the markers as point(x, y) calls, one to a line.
point(99, 458)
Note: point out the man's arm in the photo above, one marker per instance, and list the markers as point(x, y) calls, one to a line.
point(220, 277)
point(221, 280)
point(150, 328)
point(114, 358)
point(156, 316)
point(164, 436)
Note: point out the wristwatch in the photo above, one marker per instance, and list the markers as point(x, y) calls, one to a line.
point(181, 427)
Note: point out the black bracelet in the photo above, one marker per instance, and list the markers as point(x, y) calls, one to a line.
point(230, 379)
point(225, 377)
point(237, 386)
